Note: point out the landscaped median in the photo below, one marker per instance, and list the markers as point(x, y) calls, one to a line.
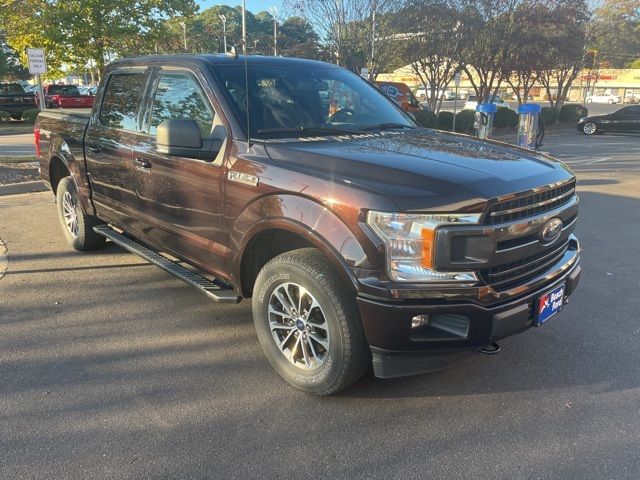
point(19, 175)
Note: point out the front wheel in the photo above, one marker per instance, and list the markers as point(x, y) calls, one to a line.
point(589, 128)
point(610, 102)
point(308, 323)
point(77, 225)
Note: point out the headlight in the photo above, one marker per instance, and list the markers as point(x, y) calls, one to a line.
point(410, 244)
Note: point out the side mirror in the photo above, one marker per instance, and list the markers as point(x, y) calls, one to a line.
point(179, 137)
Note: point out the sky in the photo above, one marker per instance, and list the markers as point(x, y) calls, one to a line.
point(254, 6)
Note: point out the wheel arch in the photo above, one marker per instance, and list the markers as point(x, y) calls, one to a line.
point(264, 237)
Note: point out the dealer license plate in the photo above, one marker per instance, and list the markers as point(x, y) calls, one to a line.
point(549, 304)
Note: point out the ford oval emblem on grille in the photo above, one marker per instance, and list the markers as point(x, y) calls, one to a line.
point(551, 231)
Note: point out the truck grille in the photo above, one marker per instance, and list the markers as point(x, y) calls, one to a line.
point(530, 205)
point(513, 273)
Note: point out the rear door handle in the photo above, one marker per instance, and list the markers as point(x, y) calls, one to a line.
point(142, 165)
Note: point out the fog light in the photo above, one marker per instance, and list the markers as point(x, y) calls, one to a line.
point(419, 321)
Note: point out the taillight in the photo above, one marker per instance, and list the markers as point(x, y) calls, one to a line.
point(36, 140)
point(56, 98)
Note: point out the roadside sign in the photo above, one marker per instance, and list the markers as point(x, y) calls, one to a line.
point(37, 61)
point(456, 79)
point(364, 72)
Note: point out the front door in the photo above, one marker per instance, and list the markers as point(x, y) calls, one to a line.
point(110, 137)
point(180, 198)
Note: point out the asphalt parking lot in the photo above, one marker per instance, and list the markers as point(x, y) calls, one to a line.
point(111, 368)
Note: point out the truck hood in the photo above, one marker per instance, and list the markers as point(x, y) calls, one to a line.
point(423, 169)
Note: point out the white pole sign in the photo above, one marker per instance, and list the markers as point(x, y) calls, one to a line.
point(37, 61)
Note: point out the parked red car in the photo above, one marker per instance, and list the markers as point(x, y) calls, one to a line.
point(66, 96)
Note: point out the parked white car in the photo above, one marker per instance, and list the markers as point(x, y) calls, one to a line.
point(422, 94)
point(472, 102)
point(603, 98)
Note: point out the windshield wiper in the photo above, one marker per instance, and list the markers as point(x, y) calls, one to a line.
point(310, 130)
point(386, 126)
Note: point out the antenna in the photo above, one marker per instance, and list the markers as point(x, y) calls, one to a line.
point(246, 69)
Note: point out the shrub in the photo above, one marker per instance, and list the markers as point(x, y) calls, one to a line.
point(505, 117)
point(548, 115)
point(464, 121)
point(572, 112)
point(29, 116)
point(445, 120)
point(425, 118)
point(4, 116)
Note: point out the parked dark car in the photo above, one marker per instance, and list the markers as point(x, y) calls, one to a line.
point(15, 100)
point(362, 239)
point(626, 119)
point(66, 96)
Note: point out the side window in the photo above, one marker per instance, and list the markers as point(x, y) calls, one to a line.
point(179, 96)
point(121, 100)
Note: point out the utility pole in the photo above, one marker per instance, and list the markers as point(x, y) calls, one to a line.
point(224, 30)
point(373, 37)
point(244, 27)
point(274, 14)
point(184, 35)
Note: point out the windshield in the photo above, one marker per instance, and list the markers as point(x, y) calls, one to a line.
point(308, 101)
point(70, 90)
point(11, 89)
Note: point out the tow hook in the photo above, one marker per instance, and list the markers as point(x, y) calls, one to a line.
point(490, 349)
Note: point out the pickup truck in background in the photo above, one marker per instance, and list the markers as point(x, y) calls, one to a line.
point(66, 96)
point(15, 101)
point(362, 239)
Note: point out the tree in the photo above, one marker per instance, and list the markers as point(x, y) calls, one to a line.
point(490, 30)
point(431, 44)
point(10, 67)
point(297, 38)
point(358, 32)
point(564, 39)
point(615, 33)
point(75, 32)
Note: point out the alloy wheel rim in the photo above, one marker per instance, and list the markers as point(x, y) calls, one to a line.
point(70, 214)
point(298, 326)
point(589, 128)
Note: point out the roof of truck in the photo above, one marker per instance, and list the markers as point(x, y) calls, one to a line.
point(222, 59)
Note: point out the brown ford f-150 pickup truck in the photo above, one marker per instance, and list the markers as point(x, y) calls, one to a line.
point(362, 239)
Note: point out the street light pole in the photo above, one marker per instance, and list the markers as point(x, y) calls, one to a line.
point(224, 30)
point(184, 35)
point(274, 14)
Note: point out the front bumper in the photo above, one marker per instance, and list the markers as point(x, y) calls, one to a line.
point(399, 351)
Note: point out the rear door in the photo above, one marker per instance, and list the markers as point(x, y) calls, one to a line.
point(180, 199)
point(112, 132)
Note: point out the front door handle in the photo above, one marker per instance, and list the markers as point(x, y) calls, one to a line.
point(94, 149)
point(142, 165)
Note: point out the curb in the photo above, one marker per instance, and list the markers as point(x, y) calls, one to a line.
point(25, 187)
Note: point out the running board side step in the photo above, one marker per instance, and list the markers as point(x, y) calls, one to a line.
point(210, 288)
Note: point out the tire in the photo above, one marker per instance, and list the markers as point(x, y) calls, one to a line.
point(318, 368)
point(76, 225)
point(589, 128)
point(589, 100)
point(610, 102)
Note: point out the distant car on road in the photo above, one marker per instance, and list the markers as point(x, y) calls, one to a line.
point(423, 94)
point(472, 102)
point(66, 96)
point(626, 119)
point(603, 98)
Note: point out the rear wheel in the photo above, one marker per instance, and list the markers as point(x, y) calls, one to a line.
point(308, 323)
point(589, 128)
point(610, 102)
point(76, 225)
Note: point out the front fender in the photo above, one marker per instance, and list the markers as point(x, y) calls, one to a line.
point(314, 222)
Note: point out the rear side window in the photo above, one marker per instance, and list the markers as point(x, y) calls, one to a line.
point(179, 96)
point(121, 100)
